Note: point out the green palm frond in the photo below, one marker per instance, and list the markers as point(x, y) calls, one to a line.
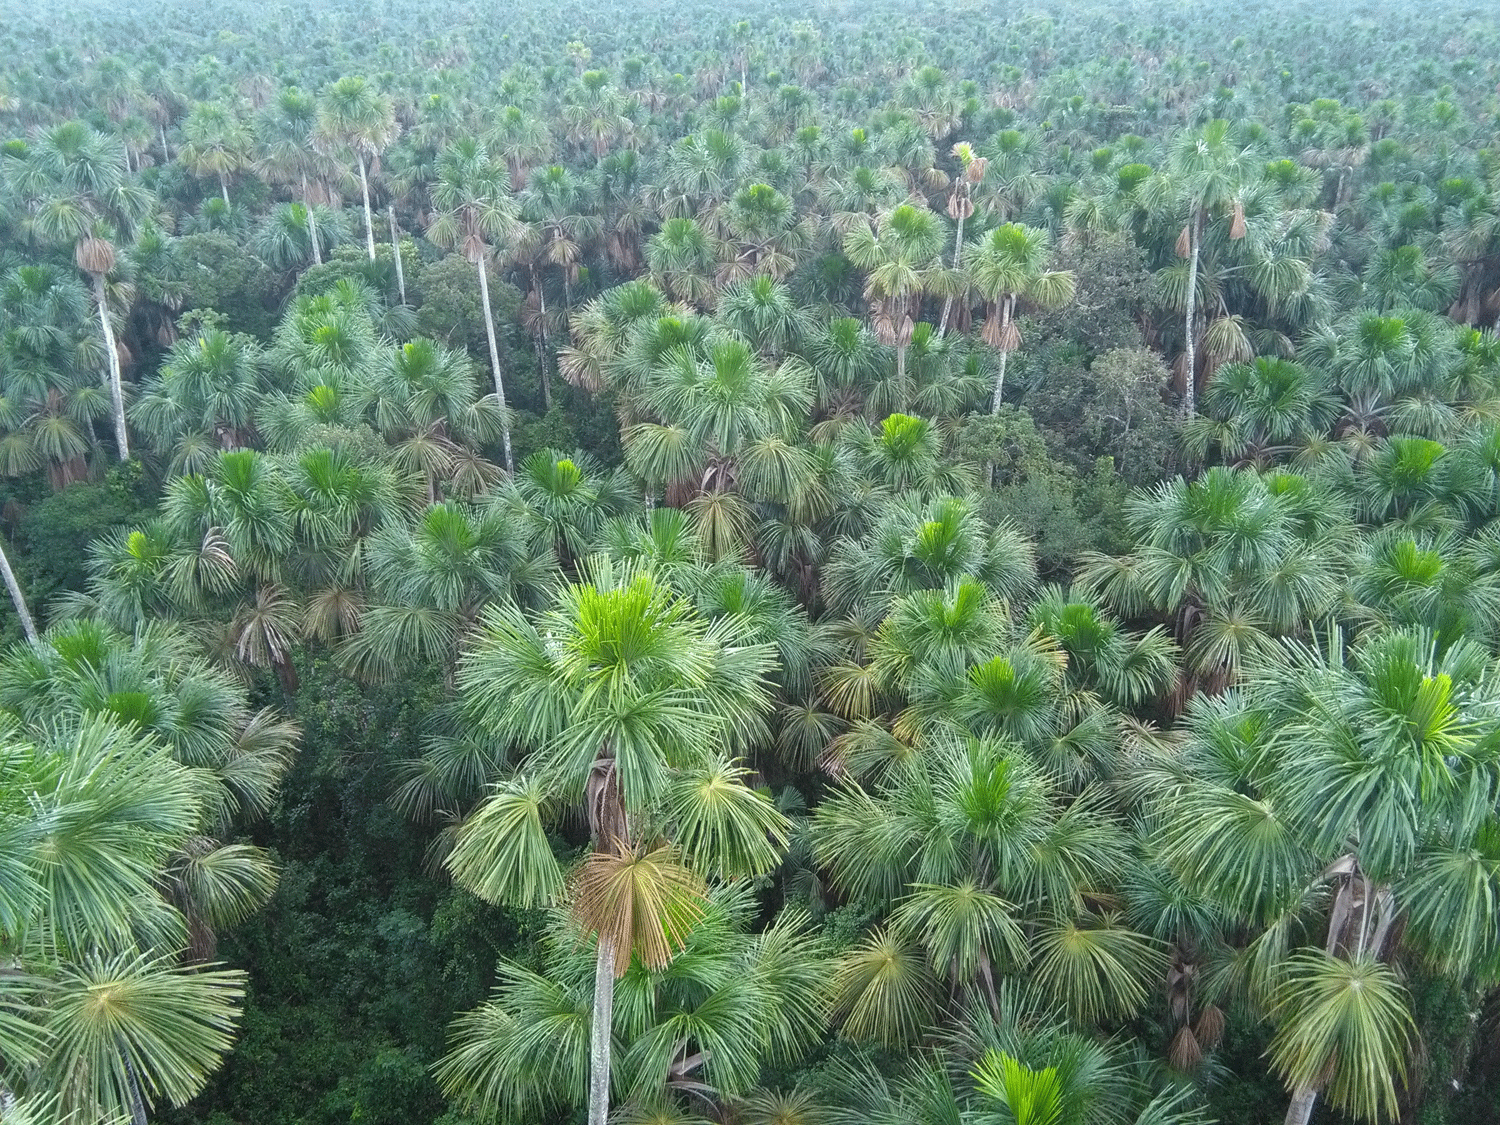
point(1032, 1097)
point(136, 1022)
point(1096, 968)
point(502, 852)
point(884, 991)
point(726, 828)
point(1343, 1026)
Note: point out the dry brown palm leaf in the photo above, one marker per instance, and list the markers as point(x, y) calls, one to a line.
point(94, 256)
point(1185, 1053)
point(645, 903)
point(1209, 1028)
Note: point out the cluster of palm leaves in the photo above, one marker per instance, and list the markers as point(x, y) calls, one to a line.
point(128, 762)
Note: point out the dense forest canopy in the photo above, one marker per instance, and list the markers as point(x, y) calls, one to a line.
point(849, 565)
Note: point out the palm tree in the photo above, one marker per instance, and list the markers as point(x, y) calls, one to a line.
point(978, 893)
point(202, 399)
point(1208, 177)
point(136, 753)
point(216, 142)
point(900, 254)
point(521, 140)
point(723, 431)
point(730, 1001)
point(682, 257)
point(429, 580)
point(474, 208)
point(1009, 265)
point(632, 705)
point(285, 132)
point(960, 208)
point(1232, 560)
point(567, 499)
point(47, 354)
point(111, 1030)
point(352, 115)
point(1330, 837)
point(81, 193)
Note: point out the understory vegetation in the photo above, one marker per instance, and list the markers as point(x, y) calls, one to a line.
point(844, 565)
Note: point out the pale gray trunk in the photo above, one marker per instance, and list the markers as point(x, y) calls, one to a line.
point(599, 1032)
point(165, 155)
point(489, 332)
point(396, 254)
point(999, 383)
point(112, 354)
point(137, 1103)
point(1005, 307)
point(364, 186)
point(17, 597)
point(1300, 1111)
point(312, 225)
point(958, 256)
point(224, 188)
point(542, 355)
point(1190, 388)
point(901, 394)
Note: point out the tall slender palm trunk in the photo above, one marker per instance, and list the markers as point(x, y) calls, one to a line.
point(112, 354)
point(137, 1102)
point(1007, 304)
point(396, 255)
point(312, 225)
point(17, 597)
point(958, 256)
point(544, 350)
point(224, 188)
point(364, 186)
point(489, 332)
point(1190, 380)
point(600, 1032)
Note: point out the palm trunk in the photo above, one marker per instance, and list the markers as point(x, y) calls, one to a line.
point(1300, 1111)
point(165, 155)
point(958, 254)
point(116, 391)
point(364, 186)
point(901, 394)
point(544, 349)
point(312, 225)
point(137, 1103)
point(396, 254)
point(1190, 388)
point(599, 1032)
point(999, 383)
point(17, 597)
point(224, 188)
point(1005, 307)
point(489, 332)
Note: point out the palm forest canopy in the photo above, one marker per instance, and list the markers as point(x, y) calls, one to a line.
point(858, 564)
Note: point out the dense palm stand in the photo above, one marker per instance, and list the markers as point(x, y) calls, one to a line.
point(768, 564)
